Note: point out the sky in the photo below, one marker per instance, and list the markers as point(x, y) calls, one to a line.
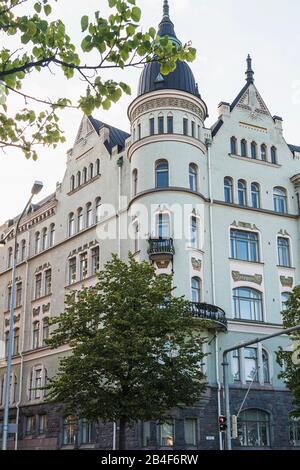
point(222, 31)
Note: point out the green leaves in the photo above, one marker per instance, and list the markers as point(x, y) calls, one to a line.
point(84, 23)
point(116, 42)
point(135, 352)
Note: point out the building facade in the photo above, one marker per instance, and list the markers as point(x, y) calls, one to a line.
point(218, 207)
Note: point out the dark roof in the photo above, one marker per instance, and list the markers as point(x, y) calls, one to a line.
point(117, 137)
point(181, 79)
point(239, 96)
point(294, 148)
point(216, 126)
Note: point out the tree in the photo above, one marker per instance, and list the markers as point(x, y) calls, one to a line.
point(45, 46)
point(291, 359)
point(136, 352)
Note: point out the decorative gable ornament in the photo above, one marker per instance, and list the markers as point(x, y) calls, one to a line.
point(253, 102)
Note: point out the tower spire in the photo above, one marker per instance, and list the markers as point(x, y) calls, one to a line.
point(249, 71)
point(166, 10)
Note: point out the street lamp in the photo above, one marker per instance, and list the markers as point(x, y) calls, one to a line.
point(36, 188)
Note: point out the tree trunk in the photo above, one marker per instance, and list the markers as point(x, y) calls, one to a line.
point(122, 434)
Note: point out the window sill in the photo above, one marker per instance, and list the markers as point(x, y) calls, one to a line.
point(89, 278)
point(246, 261)
point(286, 267)
point(43, 297)
point(255, 160)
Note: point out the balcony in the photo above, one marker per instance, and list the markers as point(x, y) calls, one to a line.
point(210, 312)
point(161, 249)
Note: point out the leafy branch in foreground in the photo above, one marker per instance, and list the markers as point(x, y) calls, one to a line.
point(45, 47)
point(136, 350)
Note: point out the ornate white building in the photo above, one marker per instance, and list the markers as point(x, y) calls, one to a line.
point(218, 207)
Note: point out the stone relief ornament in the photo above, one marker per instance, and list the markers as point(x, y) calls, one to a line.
point(286, 281)
point(197, 264)
point(255, 278)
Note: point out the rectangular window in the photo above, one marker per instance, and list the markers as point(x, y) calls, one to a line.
point(46, 331)
point(185, 126)
point(146, 433)
point(87, 432)
point(190, 432)
point(161, 126)
point(163, 226)
point(167, 434)
point(9, 297)
point(72, 270)
point(95, 260)
point(37, 383)
point(170, 125)
point(295, 432)
point(251, 364)
point(48, 279)
point(236, 366)
point(151, 126)
point(16, 343)
point(139, 131)
point(69, 430)
point(30, 425)
point(193, 129)
point(38, 285)
point(194, 233)
point(83, 266)
point(19, 295)
point(42, 424)
point(284, 258)
point(244, 245)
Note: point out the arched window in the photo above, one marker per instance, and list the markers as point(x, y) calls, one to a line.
point(46, 330)
point(37, 242)
point(163, 225)
point(170, 124)
point(71, 228)
point(52, 235)
point(98, 209)
point(134, 182)
point(44, 238)
point(228, 189)
point(16, 341)
point(254, 428)
point(280, 200)
point(253, 150)
point(284, 252)
point(255, 195)
point(91, 171)
point(266, 369)
point(78, 178)
point(194, 232)
point(72, 183)
point(23, 250)
point(247, 304)
point(84, 175)
point(9, 257)
point(284, 299)
point(97, 167)
point(89, 214)
point(233, 148)
point(196, 290)
point(162, 174)
point(242, 193)
point(161, 124)
point(263, 152)
point(79, 220)
point(274, 155)
point(36, 335)
point(193, 177)
point(244, 151)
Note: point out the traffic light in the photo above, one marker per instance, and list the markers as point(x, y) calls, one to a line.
point(222, 423)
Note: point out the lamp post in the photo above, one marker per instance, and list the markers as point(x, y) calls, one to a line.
point(36, 188)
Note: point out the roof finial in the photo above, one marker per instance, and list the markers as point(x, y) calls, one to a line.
point(166, 9)
point(249, 72)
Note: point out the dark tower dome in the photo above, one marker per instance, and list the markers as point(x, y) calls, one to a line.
point(181, 79)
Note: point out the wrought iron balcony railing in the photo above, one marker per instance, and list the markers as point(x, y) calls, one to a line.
point(161, 246)
point(210, 312)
